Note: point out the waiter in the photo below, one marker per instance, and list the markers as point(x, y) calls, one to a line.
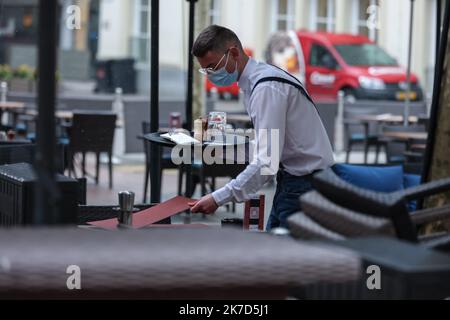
point(279, 107)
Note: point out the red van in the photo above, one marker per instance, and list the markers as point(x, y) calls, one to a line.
point(328, 62)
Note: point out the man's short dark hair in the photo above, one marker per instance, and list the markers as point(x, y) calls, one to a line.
point(215, 38)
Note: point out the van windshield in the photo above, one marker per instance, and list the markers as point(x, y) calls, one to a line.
point(365, 55)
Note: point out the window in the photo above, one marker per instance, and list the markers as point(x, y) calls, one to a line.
point(321, 57)
point(140, 40)
point(18, 22)
point(323, 16)
point(282, 15)
point(214, 11)
point(365, 55)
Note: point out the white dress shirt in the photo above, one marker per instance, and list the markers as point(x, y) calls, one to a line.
point(303, 144)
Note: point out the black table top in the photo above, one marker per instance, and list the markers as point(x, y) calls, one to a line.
point(229, 138)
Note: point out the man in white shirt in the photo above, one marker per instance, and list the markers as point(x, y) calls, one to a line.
point(280, 107)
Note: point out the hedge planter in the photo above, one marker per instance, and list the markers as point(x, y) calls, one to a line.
point(21, 85)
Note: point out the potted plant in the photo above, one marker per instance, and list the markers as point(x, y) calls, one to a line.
point(23, 78)
point(5, 73)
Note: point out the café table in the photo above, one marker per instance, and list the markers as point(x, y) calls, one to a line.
point(406, 136)
point(386, 118)
point(11, 106)
point(409, 138)
point(227, 141)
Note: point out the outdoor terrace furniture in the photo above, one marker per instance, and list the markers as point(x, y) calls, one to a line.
point(169, 263)
point(92, 132)
point(165, 161)
point(10, 107)
point(16, 153)
point(200, 170)
point(89, 213)
point(339, 209)
point(209, 263)
point(24, 151)
point(398, 139)
point(407, 271)
point(358, 131)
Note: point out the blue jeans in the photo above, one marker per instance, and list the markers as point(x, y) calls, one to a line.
point(286, 200)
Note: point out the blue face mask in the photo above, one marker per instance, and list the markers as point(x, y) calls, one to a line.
point(222, 77)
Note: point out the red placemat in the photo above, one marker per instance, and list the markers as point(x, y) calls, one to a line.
point(151, 215)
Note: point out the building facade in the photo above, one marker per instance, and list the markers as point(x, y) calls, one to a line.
point(124, 28)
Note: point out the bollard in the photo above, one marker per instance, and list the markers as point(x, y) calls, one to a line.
point(3, 91)
point(119, 136)
point(339, 124)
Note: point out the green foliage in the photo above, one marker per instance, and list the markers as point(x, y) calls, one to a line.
point(24, 72)
point(6, 72)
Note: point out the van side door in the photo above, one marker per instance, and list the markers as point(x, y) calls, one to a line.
point(321, 73)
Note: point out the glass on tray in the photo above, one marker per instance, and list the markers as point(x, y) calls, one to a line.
point(217, 123)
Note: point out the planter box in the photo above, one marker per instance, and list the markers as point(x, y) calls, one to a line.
point(21, 85)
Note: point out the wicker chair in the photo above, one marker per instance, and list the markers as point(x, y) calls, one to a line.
point(189, 263)
point(26, 152)
point(91, 132)
point(350, 211)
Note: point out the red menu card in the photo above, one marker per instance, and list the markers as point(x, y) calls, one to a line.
point(151, 215)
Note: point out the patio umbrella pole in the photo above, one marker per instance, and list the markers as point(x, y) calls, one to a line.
point(439, 68)
point(408, 72)
point(155, 168)
point(438, 28)
point(47, 193)
point(190, 76)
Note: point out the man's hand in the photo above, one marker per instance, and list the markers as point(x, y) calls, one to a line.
point(207, 205)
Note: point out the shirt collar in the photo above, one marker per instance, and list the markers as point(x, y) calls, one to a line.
point(244, 80)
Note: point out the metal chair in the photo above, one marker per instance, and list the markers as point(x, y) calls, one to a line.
point(165, 162)
point(358, 131)
point(91, 132)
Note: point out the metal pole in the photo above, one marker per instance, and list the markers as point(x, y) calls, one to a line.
point(339, 124)
point(155, 168)
point(46, 211)
point(408, 72)
point(438, 27)
point(436, 94)
point(190, 76)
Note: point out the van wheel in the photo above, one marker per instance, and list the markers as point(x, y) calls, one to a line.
point(349, 95)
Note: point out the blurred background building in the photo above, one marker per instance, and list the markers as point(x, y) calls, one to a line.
point(119, 29)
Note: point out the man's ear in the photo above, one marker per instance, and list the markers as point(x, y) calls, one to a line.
point(235, 53)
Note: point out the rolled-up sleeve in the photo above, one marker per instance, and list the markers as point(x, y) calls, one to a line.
point(268, 107)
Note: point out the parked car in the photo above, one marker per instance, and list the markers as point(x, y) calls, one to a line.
point(329, 62)
point(228, 92)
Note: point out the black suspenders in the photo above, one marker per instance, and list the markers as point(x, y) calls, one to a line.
point(283, 80)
